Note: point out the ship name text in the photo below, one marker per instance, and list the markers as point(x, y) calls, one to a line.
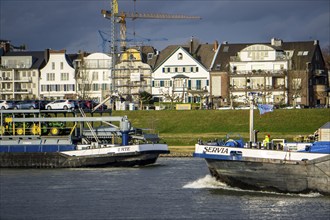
point(218, 150)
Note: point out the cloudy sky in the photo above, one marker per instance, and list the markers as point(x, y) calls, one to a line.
point(75, 24)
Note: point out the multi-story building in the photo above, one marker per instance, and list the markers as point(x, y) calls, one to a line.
point(283, 73)
point(132, 75)
point(57, 78)
point(93, 72)
point(182, 73)
point(19, 75)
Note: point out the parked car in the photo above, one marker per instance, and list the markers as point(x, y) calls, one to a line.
point(61, 104)
point(30, 104)
point(90, 104)
point(7, 104)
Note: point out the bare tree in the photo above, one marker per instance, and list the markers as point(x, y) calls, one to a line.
point(170, 95)
point(83, 79)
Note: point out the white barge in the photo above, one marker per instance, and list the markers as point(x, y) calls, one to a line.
point(281, 167)
point(59, 139)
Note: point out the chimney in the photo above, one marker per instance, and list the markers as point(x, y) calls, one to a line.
point(316, 42)
point(191, 46)
point(276, 42)
point(46, 55)
point(215, 45)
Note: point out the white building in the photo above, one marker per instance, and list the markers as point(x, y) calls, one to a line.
point(93, 76)
point(57, 79)
point(180, 76)
point(19, 75)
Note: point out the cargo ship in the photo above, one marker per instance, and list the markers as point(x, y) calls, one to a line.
point(277, 166)
point(71, 139)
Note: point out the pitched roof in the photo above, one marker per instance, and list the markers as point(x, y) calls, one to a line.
point(228, 50)
point(203, 53)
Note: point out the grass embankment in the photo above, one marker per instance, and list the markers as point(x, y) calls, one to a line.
point(184, 128)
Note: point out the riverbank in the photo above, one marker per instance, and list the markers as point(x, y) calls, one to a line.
point(180, 151)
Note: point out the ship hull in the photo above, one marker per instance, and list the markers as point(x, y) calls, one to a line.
point(268, 170)
point(16, 156)
point(274, 175)
point(60, 160)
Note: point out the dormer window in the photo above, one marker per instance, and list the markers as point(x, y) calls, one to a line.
point(150, 56)
point(180, 56)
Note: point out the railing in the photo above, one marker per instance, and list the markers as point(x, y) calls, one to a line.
point(259, 72)
point(260, 88)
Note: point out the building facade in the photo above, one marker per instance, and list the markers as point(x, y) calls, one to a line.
point(182, 73)
point(131, 75)
point(57, 77)
point(93, 76)
point(19, 75)
point(283, 73)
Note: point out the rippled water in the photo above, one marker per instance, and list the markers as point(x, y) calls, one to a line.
point(174, 188)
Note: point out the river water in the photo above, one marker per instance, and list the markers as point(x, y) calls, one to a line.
point(174, 188)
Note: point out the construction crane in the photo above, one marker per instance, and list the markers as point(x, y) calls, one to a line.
point(138, 40)
point(120, 17)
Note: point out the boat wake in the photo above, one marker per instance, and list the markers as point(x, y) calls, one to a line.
point(209, 182)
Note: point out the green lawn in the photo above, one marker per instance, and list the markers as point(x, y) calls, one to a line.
point(183, 128)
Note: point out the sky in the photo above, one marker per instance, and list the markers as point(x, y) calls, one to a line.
point(75, 24)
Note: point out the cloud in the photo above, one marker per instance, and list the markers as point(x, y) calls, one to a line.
point(74, 24)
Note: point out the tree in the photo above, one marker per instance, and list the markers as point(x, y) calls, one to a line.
point(144, 98)
point(171, 96)
point(326, 56)
point(84, 81)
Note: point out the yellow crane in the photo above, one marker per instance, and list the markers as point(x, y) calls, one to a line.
point(121, 18)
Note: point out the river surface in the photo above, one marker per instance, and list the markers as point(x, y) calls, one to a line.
point(174, 188)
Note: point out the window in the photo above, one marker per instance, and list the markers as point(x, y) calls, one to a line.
point(61, 65)
point(198, 84)
point(156, 83)
point(50, 77)
point(178, 83)
point(53, 65)
point(167, 83)
point(150, 56)
point(95, 76)
point(105, 76)
point(161, 83)
point(180, 56)
point(296, 83)
point(95, 87)
point(64, 76)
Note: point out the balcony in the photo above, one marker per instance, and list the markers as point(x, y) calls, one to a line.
point(259, 73)
point(257, 88)
point(23, 79)
point(5, 79)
